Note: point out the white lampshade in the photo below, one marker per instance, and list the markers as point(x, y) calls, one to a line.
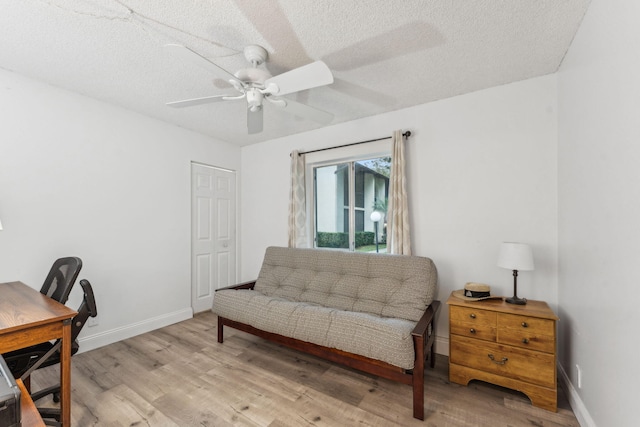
point(376, 216)
point(515, 256)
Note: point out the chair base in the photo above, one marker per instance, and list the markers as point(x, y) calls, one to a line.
point(51, 416)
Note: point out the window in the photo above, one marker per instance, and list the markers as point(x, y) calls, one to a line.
point(345, 195)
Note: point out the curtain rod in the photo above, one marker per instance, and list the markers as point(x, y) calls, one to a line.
point(406, 134)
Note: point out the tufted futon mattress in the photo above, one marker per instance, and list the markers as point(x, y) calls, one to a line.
point(362, 303)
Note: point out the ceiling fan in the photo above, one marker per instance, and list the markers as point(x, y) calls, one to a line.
point(255, 85)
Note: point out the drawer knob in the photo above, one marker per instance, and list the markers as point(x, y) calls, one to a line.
point(472, 315)
point(525, 325)
point(473, 331)
point(493, 359)
point(525, 340)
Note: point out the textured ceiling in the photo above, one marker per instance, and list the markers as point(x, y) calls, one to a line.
point(384, 55)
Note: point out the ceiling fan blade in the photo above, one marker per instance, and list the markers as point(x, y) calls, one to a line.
point(193, 56)
point(254, 121)
point(303, 111)
point(198, 101)
point(305, 77)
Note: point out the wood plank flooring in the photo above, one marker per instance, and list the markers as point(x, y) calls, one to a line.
point(180, 376)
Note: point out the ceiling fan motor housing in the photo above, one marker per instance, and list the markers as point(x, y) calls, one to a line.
point(253, 75)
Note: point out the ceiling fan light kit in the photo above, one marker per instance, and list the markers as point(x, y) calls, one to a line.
point(256, 84)
point(254, 99)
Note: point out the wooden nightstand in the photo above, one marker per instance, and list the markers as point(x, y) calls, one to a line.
point(513, 346)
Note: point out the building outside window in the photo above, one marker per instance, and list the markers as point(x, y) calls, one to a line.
point(345, 195)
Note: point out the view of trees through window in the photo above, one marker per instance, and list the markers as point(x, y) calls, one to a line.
point(346, 194)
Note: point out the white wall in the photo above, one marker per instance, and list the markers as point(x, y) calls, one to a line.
point(599, 211)
point(80, 177)
point(483, 169)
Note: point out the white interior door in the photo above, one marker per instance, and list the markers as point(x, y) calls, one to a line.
point(213, 228)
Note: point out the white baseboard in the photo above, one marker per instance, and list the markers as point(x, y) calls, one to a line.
point(576, 403)
point(90, 342)
point(442, 345)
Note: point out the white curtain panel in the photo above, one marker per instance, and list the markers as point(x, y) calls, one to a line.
point(297, 203)
point(398, 209)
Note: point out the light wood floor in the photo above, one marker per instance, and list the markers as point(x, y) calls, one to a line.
point(180, 376)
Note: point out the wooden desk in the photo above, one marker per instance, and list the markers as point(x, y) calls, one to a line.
point(28, 317)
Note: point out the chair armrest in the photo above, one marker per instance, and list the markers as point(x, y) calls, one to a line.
point(244, 285)
point(426, 319)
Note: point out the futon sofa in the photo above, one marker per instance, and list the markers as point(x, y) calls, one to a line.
point(373, 312)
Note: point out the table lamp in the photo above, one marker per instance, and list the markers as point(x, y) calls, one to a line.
point(515, 256)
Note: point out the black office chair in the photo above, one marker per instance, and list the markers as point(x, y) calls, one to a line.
point(49, 352)
point(61, 277)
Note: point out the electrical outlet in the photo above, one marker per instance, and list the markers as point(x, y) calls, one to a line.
point(579, 376)
point(93, 321)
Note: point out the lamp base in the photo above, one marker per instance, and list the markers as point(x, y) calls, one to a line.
point(515, 300)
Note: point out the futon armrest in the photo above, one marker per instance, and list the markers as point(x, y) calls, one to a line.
point(426, 319)
point(245, 285)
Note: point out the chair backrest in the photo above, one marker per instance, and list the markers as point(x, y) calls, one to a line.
point(87, 309)
point(61, 278)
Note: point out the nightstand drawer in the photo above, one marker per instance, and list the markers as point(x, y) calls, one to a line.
point(472, 330)
point(525, 365)
point(532, 324)
point(527, 339)
point(527, 332)
point(472, 316)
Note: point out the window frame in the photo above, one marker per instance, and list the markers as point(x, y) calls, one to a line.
point(349, 155)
